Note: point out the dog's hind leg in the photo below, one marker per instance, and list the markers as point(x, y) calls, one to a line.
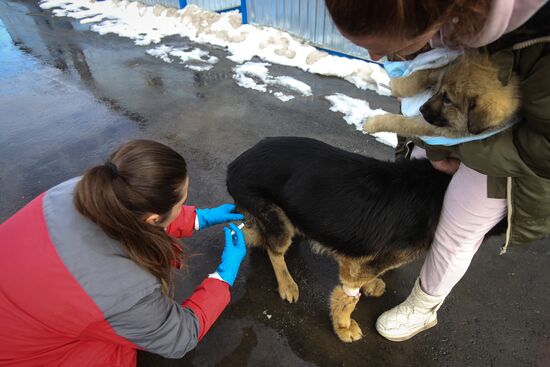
point(374, 268)
point(253, 231)
point(375, 287)
point(278, 239)
point(288, 289)
point(271, 229)
point(268, 226)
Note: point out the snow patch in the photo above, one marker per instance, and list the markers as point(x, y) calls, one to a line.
point(356, 111)
point(283, 97)
point(200, 60)
point(161, 52)
point(255, 75)
point(199, 68)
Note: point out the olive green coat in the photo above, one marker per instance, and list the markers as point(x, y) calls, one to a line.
point(517, 161)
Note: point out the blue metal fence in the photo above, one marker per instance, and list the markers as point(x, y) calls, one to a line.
point(212, 5)
point(306, 19)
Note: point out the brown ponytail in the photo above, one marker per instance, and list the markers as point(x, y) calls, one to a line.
point(141, 177)
point(407, 19)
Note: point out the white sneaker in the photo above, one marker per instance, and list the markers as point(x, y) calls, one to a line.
point(416, 314)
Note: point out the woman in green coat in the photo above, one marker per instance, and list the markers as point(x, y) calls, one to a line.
point(504, 176)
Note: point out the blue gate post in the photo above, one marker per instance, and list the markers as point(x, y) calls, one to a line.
point(244, 12)
point(183, 3)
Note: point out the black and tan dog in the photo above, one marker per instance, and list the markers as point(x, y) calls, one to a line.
point(469, 98)
point(370, 215)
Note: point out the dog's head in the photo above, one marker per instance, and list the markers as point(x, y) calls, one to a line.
point(470, 98)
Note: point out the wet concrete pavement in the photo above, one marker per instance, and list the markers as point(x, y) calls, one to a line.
point(69, 96)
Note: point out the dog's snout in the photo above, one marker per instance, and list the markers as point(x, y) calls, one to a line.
point(423, 109)
point(428, 114)
point(432, 116)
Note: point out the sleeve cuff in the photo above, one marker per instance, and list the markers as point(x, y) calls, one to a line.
point(207, 303)
point(184, 224)
point(215, 275)
point(197, 226)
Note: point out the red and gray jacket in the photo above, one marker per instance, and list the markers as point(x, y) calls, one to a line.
point(70, 296)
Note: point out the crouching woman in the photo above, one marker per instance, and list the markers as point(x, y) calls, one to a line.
point(86, 267)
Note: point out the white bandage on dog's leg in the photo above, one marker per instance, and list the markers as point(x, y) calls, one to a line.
point(352, 292)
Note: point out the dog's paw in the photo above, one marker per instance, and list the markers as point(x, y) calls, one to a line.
point(349, 333)
point(376, 288)
point(289, 291)
point(372, 124)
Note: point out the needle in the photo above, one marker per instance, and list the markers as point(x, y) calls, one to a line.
point(240, 226)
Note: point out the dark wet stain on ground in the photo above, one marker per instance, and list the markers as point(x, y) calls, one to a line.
point(68, 96)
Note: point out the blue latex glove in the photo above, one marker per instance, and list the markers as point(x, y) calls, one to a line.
point(232, 254)
point(221, 214)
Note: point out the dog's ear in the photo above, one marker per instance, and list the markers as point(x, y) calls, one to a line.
point(477, 116)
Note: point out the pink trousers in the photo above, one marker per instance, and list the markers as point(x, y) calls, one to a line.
point(467, 215)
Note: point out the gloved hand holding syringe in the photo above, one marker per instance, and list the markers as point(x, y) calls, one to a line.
point(233, 253)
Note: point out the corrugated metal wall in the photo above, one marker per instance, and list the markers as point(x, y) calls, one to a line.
point(212, 5)
point(168, 3)
point(308, 19)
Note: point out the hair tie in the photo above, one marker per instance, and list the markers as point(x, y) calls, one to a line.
point(112, 167)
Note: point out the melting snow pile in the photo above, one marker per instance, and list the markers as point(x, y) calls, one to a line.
point(356, 111)
point(255, 75)
point(194, 58)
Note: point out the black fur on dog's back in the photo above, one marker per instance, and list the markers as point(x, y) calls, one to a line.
point(352, 204)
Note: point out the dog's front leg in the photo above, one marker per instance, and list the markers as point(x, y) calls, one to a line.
point(405, 126)
point(415, 83)
point(344, 298)
point(341, 307)
point(396, 124)
point(288, 289)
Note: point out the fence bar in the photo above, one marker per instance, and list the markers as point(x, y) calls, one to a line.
point(244, 12)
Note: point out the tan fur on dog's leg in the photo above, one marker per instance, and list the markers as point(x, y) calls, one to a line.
point(374, 287)
point(342, 305)
point(252, 231)
point(415, 83)
point(341, 308)
point(252, 236)
point(405, 126)
point(288, 289)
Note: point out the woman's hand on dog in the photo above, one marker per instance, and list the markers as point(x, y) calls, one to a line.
point(221, 214)
point(447, 165)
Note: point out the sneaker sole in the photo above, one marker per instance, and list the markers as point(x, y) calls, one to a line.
point(407, 337)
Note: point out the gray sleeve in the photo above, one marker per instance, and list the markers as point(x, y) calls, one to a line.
point(159, 325)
